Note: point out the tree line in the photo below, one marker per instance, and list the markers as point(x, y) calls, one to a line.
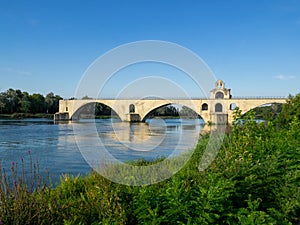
point(16, 101)
point(173, 111)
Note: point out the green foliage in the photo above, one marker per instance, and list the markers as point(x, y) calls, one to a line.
point(167, 110)
point(255, 179)
point(95, 109)
point(269, 112)
point(251, 214)
point(290, 110)
point(101, 109)
point(15, 101)
point(173, 111)
point(23, 194)
point(52, 103)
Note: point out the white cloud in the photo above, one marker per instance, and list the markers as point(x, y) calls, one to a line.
point(17, 72)
point(284, 77)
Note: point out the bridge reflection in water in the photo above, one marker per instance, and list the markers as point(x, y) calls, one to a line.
point(113, 140)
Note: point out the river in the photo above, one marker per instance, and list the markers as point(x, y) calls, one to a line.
point(61, 149)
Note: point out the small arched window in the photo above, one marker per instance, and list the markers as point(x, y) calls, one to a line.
point(131, 108)
point(218, 107)
point(232, 106)
point(219, 95)
point(204, 107)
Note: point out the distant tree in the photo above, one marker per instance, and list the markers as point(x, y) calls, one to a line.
point(86, 97)
point(56, 103)
point(52, 103)
point(168, 110)
point(16, 101)
point(269, 112)
point(2, 102)
point(49, 101)
point(290, 110)
point(171, 111)
point(187, 112)
point(101, 109)
point(37, 103)
point(160, 111)
point(11, 100)
point(25, 104)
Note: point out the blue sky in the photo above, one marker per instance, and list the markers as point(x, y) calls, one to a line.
point(254, 46)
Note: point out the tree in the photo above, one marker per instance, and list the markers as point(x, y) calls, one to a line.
point(2, 102)
point(16, 101)
point(25, 103)
point(52, 103)
point(49, 101)
point(268, 112)
point(86, 97)
point(187, 112)
point(171, 111)
point(101, 109)
point(37, 103)
point(12, 100)
point(290, 110)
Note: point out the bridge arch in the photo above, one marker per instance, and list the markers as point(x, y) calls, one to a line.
point(162, 104)
point(260, 105)
point(88, 107)
point(246, 106)
point(144, 117)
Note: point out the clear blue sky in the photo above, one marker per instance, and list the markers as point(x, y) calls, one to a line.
point(254, 46)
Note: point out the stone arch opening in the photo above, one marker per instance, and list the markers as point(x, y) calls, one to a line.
point(219, 95)
point(93, 110)
point(204, 107)
point(265, 112)
point(218, 107)
point(160, 111)
point(232, 106)
point(131, 108)
point(172, 111)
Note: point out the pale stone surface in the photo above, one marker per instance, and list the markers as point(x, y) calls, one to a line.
point(219, 96)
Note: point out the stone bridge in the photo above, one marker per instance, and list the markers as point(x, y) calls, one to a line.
point(217, 109)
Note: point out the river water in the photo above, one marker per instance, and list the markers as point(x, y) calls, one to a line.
point(65, 147)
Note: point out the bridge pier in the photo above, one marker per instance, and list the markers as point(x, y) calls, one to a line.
point(219, 118)
point(64, 116)
point(133, 117)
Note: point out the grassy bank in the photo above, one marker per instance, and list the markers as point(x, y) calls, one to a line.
point(255, 179)
point(26, 115)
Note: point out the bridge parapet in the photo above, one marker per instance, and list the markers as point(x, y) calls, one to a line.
point(258, 97)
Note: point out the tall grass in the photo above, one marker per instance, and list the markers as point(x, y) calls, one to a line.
point(20, 192)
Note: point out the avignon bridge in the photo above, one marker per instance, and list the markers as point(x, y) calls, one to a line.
point(217, 109)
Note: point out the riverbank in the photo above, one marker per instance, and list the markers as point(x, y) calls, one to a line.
point(254, 179)
point(26, 115)
point(48, 116)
